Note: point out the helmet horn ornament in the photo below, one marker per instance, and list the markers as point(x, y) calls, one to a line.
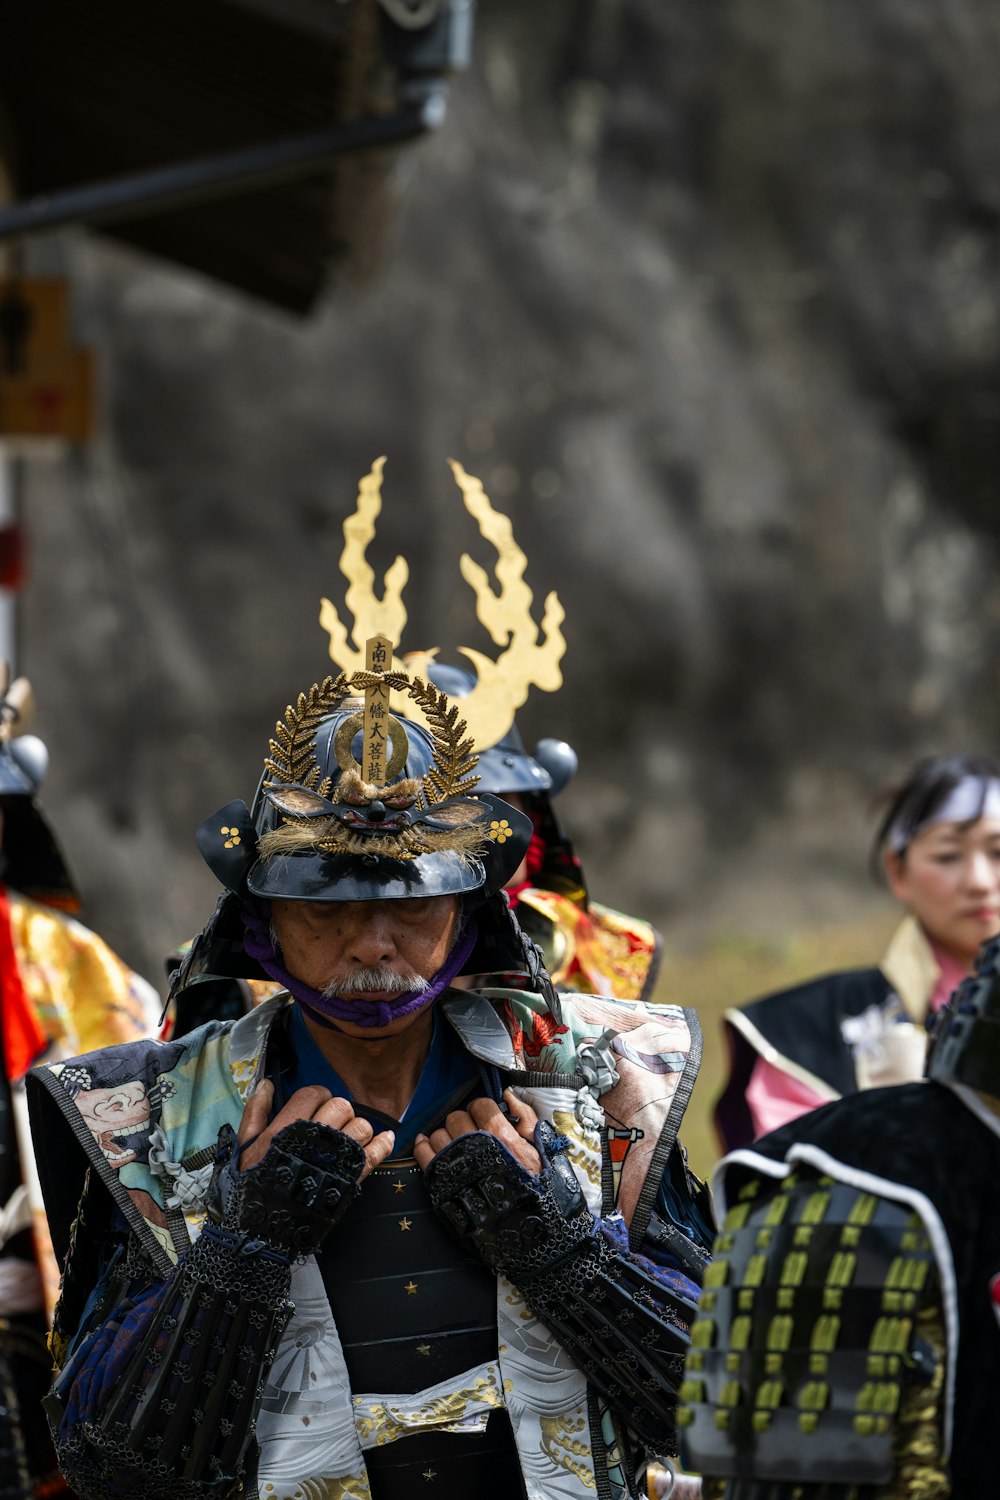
point(529, 656)
point(372, 616)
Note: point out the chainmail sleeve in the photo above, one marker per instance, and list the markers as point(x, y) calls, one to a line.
point(162, 1397)
point(159, 1396)
point(623, 1320)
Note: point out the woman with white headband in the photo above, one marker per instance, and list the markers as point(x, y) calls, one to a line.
point(938, 848)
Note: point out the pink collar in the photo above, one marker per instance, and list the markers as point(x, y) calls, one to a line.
point(950, 975)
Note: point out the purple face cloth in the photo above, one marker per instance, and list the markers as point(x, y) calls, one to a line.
point(256, 916)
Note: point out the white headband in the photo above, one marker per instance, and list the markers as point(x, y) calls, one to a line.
point(972, 797)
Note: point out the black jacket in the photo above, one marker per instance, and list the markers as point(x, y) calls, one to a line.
point(803, 1026)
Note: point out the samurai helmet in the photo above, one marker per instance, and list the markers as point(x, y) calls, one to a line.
point(506, 766)
point(489, 691)
point(32, 861)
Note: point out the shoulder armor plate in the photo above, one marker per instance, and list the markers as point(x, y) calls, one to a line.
point(807, 1340)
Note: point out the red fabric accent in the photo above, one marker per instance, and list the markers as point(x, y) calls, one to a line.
point(534, 859)
point(514, 891)
point(543, 1029)
point(23, 1037)
point(12, 567)
point(535, 856)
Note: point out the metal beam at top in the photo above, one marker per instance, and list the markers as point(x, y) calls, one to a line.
point(313, 16)
point(163, 188)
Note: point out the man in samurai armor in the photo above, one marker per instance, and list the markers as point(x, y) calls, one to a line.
point(848, 1344)
point(380, 1236)
point(62, 990)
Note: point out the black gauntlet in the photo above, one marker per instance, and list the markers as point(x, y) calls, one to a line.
point(519, 1223)
point(624, 1327)
point(291, 1199)
point(162, 1399)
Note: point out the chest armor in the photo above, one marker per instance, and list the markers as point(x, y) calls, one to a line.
point(809, 1357)
point(414, 1310)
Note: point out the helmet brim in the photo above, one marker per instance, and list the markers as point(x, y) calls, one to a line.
point(370, 877)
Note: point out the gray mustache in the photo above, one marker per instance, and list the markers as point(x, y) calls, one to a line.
point(378, 979)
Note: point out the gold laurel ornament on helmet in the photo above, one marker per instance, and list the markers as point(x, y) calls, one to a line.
point(371, 807)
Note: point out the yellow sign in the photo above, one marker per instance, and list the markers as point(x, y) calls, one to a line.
point(378, 659)
point(46, 385)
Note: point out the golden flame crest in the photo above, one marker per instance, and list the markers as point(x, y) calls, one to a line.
point(529, 654)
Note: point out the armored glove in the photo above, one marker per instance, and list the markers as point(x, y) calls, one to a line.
point(624, 1328)
point(308, 1178)
point(520, 1224)
point(162, 1398)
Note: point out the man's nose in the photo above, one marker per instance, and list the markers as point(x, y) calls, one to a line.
point(373, 940)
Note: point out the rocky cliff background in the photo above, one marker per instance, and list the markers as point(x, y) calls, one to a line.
point(707, 293)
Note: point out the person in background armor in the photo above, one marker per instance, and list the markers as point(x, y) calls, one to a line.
point(61, 990)
point(587, 947)
point(938, 847)
point(379, 1236)
point(848, 1343)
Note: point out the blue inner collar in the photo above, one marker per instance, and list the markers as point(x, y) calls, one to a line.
point(449, 1077)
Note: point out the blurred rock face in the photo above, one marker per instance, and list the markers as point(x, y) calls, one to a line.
point(708, 297)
